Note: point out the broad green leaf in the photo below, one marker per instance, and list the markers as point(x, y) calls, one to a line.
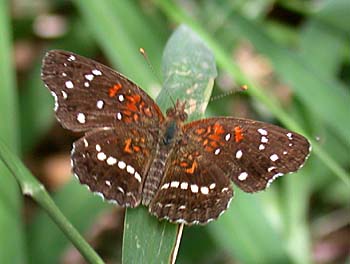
point(12, 247)
point(189, 72)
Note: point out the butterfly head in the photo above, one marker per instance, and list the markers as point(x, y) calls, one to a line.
point(178, 111)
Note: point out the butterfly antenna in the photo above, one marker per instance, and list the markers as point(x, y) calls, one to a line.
point(144, 54)
point(241, 88)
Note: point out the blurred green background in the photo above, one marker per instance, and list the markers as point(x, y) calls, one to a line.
point(296, 53)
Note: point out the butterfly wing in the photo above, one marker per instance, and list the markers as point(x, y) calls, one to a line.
point(90, 95)
point(113, 162)
point(193, 190)
point(251, 153)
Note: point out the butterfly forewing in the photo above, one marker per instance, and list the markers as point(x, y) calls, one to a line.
point(114, 162)
point(90, 95)
point(193, 190)
point(251, 153)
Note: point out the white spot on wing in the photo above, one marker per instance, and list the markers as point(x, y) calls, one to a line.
point(194, 188)
point(86, 84)
point(239, 154)
point(274, 157)
point(71, 58)
point(86, 143)
point(204, 190)
point(184, 185)
point(261, 147)
point(108, 183)
point(119, 116)
point(165, 186)
point(121, 98)
point(121, 165)
point(271, 168)
point(89, 77)
point(212, 186)
point(98, 147)
point(217, 151)
point(242, 176)
point(64, 94)
point(137, 176)
point(264, 139)
point(101, 156)
point(228, 136)
point(69, 84)
point(96, 72)
point(111, 161)
point(130, 169)
point(174, 184)
point(81, 118)
point(290, 136)
point(100, 104)
point(262, 131)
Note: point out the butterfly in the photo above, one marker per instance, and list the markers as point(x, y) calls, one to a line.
point(132, 154)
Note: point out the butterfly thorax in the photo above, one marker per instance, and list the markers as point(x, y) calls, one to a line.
point(169, 135)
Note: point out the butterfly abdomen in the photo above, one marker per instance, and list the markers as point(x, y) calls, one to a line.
point(158, 166)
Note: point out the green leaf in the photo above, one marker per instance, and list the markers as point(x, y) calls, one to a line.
point(12, 247)
point(189, 71)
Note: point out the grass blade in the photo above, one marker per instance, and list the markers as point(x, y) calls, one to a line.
point(12, 247)
point(30, 186)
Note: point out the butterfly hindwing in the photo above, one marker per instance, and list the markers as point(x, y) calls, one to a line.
point(251, 153)
point(91, 95)
point(193, 191)
point(114, 162)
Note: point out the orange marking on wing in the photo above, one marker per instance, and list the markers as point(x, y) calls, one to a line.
point(114, 89)
point(238, 134)
point(192, 169)
point(213, 144)
point(127, 148)
point(200, 131)
point(214, 137)
point(208, 149)
point(131, 107)
point(205, 142)
point(136, 148)
point(136, 117)
point(148, 112)
point(127, 120)
point(218, 130)
point(127, 113)
point(183, 164)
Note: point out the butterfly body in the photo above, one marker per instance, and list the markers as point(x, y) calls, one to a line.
point(132, 154)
